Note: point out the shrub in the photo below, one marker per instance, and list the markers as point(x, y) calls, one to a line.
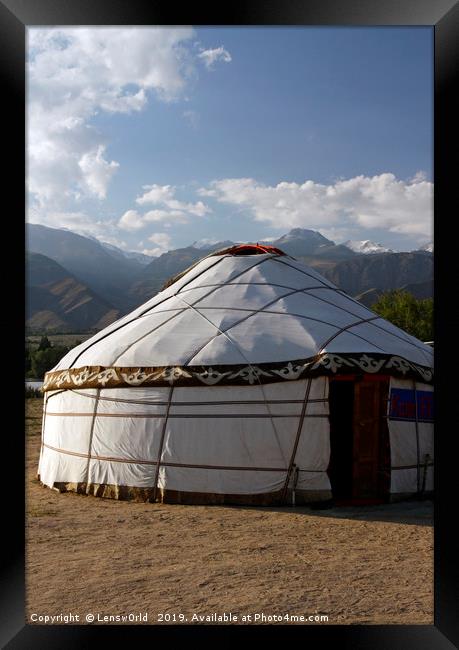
point(44, 360)
point(403, 310)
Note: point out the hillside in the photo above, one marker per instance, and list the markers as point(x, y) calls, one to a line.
point(382, 271)
point(106, 272)
point(162, 268)
point(56, 300)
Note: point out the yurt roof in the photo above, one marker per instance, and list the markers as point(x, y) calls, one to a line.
point(250, 310)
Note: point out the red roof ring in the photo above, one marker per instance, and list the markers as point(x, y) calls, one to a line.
point(250, 249)
point(237, 249)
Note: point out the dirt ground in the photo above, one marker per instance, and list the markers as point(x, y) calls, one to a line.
point(166, 563)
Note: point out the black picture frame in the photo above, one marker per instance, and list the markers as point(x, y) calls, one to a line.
point(443, 16)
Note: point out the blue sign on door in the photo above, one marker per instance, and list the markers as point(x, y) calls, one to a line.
point(404, 405)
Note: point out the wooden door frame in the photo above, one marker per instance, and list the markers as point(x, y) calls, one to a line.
point(382, 459)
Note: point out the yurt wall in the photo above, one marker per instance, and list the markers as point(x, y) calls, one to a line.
point(411, 430)
point(216, 440)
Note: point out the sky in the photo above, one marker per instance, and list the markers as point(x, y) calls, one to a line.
point(152, 138)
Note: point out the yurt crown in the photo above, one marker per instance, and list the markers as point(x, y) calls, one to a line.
point(238, 250)
point(249, 249)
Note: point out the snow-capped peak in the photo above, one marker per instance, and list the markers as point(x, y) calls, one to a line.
point(428, 247)
point(366, 246)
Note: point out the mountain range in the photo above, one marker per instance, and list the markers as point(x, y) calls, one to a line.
point(76, 283)
point(58, 300)
point(368, 247)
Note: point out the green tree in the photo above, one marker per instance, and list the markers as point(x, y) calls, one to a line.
point(44, 360)
point(403, 310)
point(44, 343)
point(27, 360)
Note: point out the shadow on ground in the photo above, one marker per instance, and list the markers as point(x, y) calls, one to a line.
point(417, 513)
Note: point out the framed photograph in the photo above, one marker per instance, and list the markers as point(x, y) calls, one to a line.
point(232, 224)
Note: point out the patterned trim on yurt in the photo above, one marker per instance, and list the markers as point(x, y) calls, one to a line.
point(161, 495)
point(263, 373)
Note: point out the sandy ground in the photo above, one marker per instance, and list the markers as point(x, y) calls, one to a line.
point(86, 555)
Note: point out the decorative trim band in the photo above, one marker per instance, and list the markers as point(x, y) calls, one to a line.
point(262, 373)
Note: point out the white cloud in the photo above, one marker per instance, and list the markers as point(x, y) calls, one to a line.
point(205, 191)
point(419, 177)
point(177, 216)
point(75, 73)
point(156, 194)
point(162, 240)
point(97, 171)
point(171, 209)
point(369, 202)
point(211, 56)
point(152, 252)
point(341, 234)
point(131, 220)
point(198, 209)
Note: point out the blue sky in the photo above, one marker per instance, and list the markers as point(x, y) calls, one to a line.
point(153, 138)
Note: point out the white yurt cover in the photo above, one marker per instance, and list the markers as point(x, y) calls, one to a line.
point(217, 385)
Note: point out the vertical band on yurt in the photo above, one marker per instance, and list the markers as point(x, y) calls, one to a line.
point(161, 442)
point(297, 439)
point(91, 433)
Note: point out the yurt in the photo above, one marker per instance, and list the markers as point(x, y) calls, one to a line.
point(249, 379)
